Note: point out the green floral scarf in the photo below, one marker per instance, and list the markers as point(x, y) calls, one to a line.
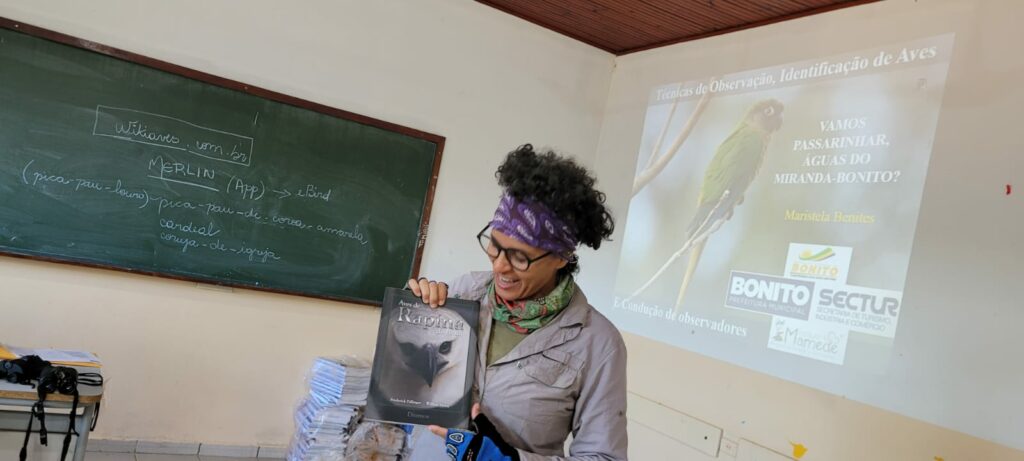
point(526, 316)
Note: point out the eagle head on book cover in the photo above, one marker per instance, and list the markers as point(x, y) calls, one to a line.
point(423, 363)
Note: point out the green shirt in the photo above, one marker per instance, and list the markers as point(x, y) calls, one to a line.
point(503, 340)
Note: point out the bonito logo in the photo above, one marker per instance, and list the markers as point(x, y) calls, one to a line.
point(808, 255)
point(818, 262)
point(817, 271)
point(770, 295)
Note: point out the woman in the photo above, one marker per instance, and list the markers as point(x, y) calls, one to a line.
point(550, 364)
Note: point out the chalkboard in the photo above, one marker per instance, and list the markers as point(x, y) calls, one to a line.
point(116, 160)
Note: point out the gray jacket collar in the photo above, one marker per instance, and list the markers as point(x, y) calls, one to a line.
point(565, 327)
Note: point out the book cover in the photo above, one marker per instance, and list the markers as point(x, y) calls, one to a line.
point(425, 362)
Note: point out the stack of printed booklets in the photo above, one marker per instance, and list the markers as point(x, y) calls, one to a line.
point(327, 417)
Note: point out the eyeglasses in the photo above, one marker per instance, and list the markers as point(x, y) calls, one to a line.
point(517, 258)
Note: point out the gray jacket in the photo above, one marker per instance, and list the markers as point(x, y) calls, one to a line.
point(567, 376)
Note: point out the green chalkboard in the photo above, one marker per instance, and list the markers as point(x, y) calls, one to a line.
point(115, 160)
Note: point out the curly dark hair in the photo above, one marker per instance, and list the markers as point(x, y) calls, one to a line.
point(565, 187)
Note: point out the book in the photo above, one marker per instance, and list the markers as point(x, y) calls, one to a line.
point(326, 419)
point(64, 357)
point(425, 363)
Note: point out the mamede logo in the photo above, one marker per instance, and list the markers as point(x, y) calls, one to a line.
point(769, 294)
point(809, 339)
point(808, 261)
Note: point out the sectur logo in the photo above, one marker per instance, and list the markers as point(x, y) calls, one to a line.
point(822, 255)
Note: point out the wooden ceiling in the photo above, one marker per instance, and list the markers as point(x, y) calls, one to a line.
point(625, 26)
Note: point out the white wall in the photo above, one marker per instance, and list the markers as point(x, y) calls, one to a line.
point(199, 365)
point(963, 282)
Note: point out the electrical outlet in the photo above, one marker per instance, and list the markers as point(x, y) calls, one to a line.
point(729, 447)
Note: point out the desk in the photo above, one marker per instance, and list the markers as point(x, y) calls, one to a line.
point(15, 395)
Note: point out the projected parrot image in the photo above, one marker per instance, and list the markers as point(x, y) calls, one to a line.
point(773, 211)
point(731, 171)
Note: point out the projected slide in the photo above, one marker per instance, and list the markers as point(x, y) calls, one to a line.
point(773, 210)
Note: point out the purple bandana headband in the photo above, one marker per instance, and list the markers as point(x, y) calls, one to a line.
point(533, 224)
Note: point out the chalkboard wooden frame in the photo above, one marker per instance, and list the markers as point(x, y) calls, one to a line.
point(255, 91)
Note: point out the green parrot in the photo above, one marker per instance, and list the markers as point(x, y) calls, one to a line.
point(726, 179)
